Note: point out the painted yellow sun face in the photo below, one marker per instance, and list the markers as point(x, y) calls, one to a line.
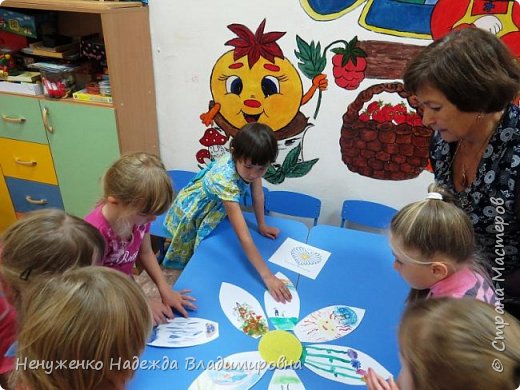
point(267, 93)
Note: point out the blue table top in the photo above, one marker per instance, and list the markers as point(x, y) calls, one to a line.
point(219, 258)
point(358, 273)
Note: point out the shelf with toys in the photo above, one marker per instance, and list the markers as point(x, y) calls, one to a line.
point(80, 138)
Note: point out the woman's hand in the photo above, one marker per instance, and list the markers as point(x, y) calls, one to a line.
point(277, 289)
point(179, 300)
point(376, 382)
point(269, 231)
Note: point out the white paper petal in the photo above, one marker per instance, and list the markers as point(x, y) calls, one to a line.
point(184, 332)
point(237, 371)
point(286, 377)
point(341, 364)
point(283, 316)
point(243, 310)
point(329, 323)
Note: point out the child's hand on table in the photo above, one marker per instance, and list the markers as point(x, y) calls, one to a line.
point(277, 289)
point(179, 300)
point(160, 312)
point(376, 382)
point(269, 231)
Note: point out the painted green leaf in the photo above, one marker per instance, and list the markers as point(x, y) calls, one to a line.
point(292, 158)
point(274, 176)
point(301, 168)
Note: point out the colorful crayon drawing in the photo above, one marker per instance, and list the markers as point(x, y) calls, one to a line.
point(285, 351)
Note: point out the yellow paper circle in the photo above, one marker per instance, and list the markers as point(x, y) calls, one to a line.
point(280, 348)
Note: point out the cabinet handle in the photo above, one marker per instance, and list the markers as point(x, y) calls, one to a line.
point(49, 128)
point(13, 120)
point(29, 199)
point(31, 163)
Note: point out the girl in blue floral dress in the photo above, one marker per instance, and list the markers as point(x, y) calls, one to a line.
point(216, 192)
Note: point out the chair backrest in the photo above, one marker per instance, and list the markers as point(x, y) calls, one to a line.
point(247, 199)
point(180, 178)
point(295, 204)
point(371, 214)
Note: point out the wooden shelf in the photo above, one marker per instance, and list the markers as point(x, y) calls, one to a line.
point(91, 6)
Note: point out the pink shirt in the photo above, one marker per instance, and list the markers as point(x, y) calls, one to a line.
point(7, 334)
point(464, 283)
point(119, 254)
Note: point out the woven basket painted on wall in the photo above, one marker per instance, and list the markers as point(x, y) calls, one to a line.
point(389, 149)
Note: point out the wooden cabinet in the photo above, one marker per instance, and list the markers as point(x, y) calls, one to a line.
point(84, 143)
point(53, 153)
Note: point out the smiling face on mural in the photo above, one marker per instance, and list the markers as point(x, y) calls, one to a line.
point(268, 93)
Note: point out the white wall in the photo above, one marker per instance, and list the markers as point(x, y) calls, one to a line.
point(187, 39)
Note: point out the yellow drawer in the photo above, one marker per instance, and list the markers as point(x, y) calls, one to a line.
point(27, 160)
point(7, 214)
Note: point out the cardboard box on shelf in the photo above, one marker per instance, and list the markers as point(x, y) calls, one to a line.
point(87, 97)
point(23, 88)
point(29, 24)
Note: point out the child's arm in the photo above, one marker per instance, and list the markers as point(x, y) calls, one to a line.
point(176, 299)
point(276, 287)
point(257, 193)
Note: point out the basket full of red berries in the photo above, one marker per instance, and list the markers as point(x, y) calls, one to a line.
point(384, 141)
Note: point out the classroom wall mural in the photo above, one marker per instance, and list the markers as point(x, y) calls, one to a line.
point(499, 17)
point(255, 82)
point(426, 19)
point(405, 18)
point(325, 75)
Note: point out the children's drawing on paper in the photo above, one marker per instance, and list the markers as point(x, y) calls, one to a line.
point(283, 316)
point(300, 257)
point(286, 351)
point(239, 371)
point(329, 323)
point(286, 379)
point(243, 310)
point(255, 82)
point(342, 364)
point(184, 332)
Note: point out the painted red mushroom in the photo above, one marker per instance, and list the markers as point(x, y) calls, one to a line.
point(212, 137)
point(203, 155)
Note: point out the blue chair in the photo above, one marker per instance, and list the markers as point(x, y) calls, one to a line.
point(369, 214)
point(179, 179)
point(294, 204)
point(247, 199)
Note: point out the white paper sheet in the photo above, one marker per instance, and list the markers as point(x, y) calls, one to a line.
point(283, 316)
point(184, 332)
point(299, 257)
point(243, 310)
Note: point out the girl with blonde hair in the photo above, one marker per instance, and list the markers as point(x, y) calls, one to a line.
point(93, 320)
point(452, 344)
point(434, 248)
point(37, 246)
point(136, 189)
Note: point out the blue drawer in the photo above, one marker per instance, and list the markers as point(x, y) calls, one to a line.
point(29, 195)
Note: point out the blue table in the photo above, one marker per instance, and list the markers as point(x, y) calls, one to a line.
point(219, 258)
point(359, 273)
